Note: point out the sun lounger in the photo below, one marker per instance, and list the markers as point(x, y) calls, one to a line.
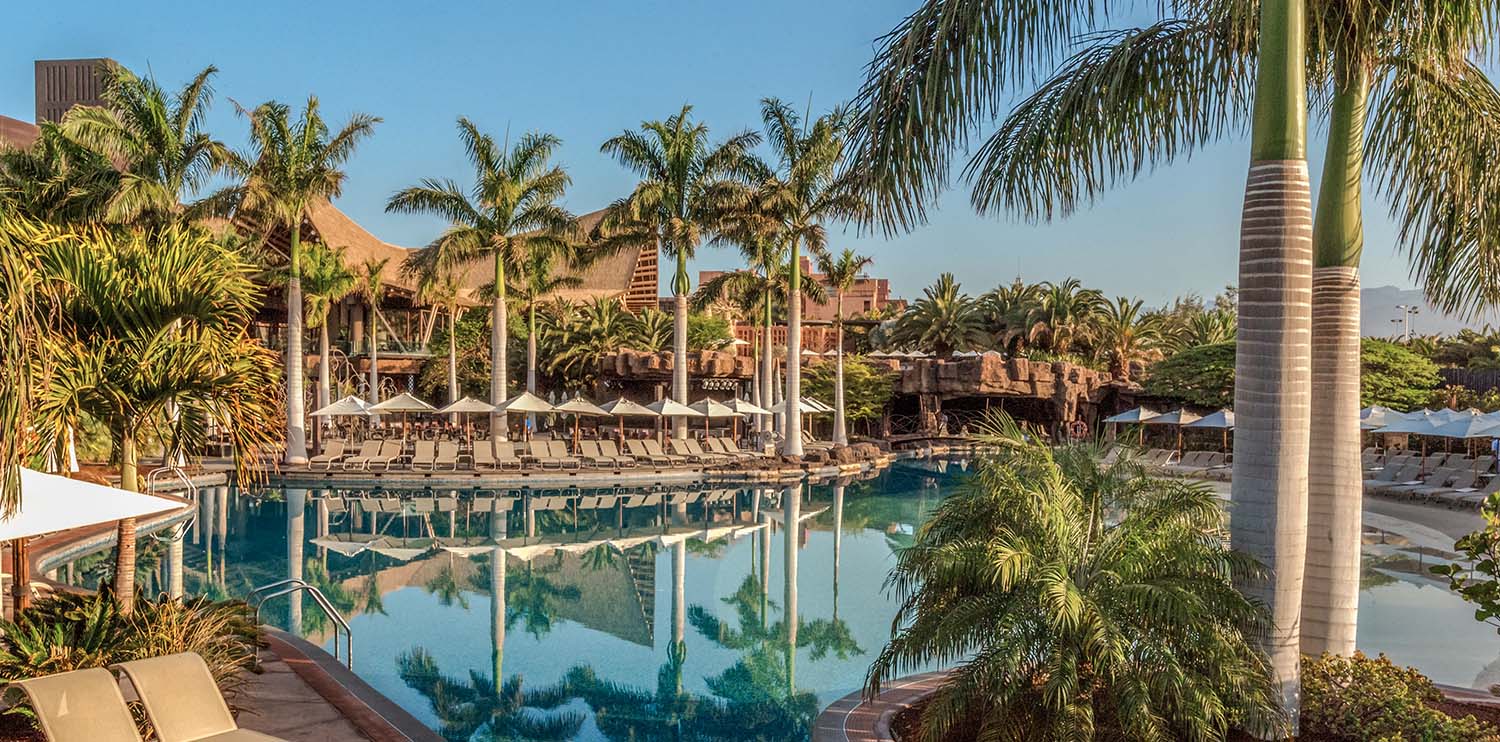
point(589, 453)
point(559, 451)
point(690, 450)
point(538, 454)
point(639, 452)
point(424, 456)
point(447, 456)
point(183, 702)
point(391, 453)
point(610, 450)
point(727, 447)
point(1472, 498)
point(1393, 472)
point(79, 705)
point(654, 446)
point(1437, 478)
point(368, 451)
point(333, 453)
point(1459, 479)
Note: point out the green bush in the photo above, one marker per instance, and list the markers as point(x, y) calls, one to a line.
point(1393, 376)
point(867, 388)
point(1374, 699)
point(68, 632)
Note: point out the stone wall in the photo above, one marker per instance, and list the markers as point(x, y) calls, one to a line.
point(636, 365)
point(1066, 385)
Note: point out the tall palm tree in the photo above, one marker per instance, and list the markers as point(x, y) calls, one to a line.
point(371, 288)
point(535, 283)
point(292, 166)
point(1008, 311)
point(327, 279)
point(510, 210)
point(1126, 336)
point(1088, 601)
point(150, 334)
point(56, 179)
point(804, 189)
point(158, 139)
point(23, 354)
point(688, 186)
point(438, 286)
point(841, 274)
point(1063, 314)
point(1389, 77)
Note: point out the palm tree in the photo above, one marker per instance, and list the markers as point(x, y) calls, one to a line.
point(438, 285)
point(510, 210)
point(653, 329)
point(292, 166)
point(158, 139)
point(841, 273)
point(1125, 336)
point(1008, 311)
point(150, 336)
point(1063, 314)
point(537, 282)
point(1081, 601)
point(371, 288)
point(687, 187)
point(23, 357)
point(464, 707)
point(942, 321)
point(57, 180)
point(577, 341)
point(326, 281)
point(805, 189)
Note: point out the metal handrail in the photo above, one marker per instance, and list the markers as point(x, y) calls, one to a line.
point(180, 529)
point(290, 586)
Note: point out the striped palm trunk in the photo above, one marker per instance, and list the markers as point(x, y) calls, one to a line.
point(499, 336)
point(791, 444)
point(296, 426)
point(1330, 595)
point(840, 428)
point(1272, 388)
point(679, 360)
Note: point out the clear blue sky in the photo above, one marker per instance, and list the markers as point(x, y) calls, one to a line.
point(586, 70)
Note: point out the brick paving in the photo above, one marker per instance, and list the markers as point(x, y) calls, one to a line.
point(852, 719)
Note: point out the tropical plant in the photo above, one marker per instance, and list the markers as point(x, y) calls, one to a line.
point(292, 167)
point(327, 279)
point(438, 284)
point(23, 351)
point(538, 281)
point(150, 331)
point(1126, 337)
point(841, 273)
point(1392, 376)
point(944, 320)
point(157, 138)
point(868, 388)
point(1079, 601)
point(1008, 311)
point(1356, 697)
point(503, 712)
point(371, 288)
point(57, 180)
point(511, 209)
point(68, 631)
point(804, 188)
point(687, 187)
point(1063, 315)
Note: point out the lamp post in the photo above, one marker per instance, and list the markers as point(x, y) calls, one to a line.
point(1407, 312)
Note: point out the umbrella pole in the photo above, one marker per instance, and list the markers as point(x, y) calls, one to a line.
point(20, 587)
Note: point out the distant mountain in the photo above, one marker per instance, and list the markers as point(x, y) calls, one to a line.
point(1377, 307)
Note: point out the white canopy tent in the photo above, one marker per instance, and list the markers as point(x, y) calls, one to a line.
point(50, 503)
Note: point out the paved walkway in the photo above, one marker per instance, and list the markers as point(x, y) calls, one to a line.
point(852, 719)
point(282, 704)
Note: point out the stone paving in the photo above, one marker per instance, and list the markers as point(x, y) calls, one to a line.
point(282, 704)
point(853, 719)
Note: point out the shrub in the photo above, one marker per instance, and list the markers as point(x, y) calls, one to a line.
point(1374, 699)
point(867, 387)
point(73, 632)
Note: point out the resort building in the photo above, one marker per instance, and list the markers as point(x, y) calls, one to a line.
point(867, 295)
point(64, 83)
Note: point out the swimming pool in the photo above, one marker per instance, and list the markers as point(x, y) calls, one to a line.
point(654, 613)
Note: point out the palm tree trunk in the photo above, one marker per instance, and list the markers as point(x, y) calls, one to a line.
point(531, 358)
point(767, 371)
point(840, 433)
point(374, 355)
point(1272, 379)
point(499, 337)
point(791, 444)
point(325, 379)
point(680, 289)
point(296, 430)
point(452, 355)
point(124, 583)
point(1330, 594)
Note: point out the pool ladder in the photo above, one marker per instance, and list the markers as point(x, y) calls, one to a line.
point(154, 479)
point(258, 597)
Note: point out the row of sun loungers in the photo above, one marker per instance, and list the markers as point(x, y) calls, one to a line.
point(1440, 478)
point(547, 455)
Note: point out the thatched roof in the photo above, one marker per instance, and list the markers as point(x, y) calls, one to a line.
point(17, 133)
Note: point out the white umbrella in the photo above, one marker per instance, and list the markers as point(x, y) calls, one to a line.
point(712, 408)
point(465, 547)
point(667, 407)
point(1220, 419)
point(350, 406)
point(746, 408)
point(710, 535)
point(344, 544)
point(1137, 415)
point(526, 402)
point(817, 405)
point(807, 353)
point(629, 542)
point(578, 407)
point(1175, 417)
point(1375, 416)
point(51, 503)
point(623, 408)
point(528, 553)
point(1468, 426)
point(1421, 422)
point(802, 407)
point(403, 402)
point(878, 354)
point(401, 549)
point(468, 405)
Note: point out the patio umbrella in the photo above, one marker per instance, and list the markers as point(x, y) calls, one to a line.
point(1136, 415)
point(346, 544)
point(1175, 417)
point(1476, 426)
point(817, 405)
point(465, 547)
point(1375, 416)
point(350, 406)
point(403, 403)
point(401, 549)
point(466, 407)
point(578, 407)
point(1421, 422)
point(1223, 419)
point(526, 403)
point(713, 410)
point(744, 408)
point(51, 503)
point(669, 408)
point(623, 408)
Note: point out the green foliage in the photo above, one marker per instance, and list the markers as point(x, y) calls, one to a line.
point(708, 331)
point(944, 320)
point(1079, 601)
point(1202, 376)
point(867, 387)
point(1475, 575)
point(1395, 377)
point(1373, 699)
point(67, 632)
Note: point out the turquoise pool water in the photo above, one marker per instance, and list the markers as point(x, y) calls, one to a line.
point(681, 613)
